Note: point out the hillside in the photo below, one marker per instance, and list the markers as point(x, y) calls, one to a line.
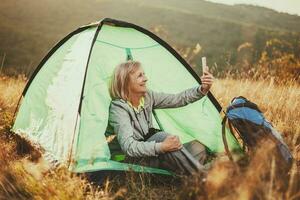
point(29, 30)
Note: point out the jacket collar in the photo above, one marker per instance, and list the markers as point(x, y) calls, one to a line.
point(140, 106)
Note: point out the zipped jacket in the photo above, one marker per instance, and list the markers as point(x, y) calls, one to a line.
point(131, 126)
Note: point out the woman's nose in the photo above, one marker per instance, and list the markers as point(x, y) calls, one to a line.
point(145, 79)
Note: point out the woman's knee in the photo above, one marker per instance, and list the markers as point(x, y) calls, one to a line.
point(197, 150)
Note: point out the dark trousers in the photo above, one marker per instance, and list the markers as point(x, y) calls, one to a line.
point(187, 160)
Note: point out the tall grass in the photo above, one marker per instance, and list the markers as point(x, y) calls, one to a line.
point(24, 174)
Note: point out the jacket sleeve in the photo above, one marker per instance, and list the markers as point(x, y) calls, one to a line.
point(164, 100)
point(120, 121)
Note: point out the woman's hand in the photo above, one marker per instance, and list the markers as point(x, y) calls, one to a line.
point(207, 80)
point(171, 143)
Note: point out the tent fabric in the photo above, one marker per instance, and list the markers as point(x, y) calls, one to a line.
point(65, 104)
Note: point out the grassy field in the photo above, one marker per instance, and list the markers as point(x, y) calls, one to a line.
point(24, 174)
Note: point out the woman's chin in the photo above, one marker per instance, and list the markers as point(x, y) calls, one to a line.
point(143, 91)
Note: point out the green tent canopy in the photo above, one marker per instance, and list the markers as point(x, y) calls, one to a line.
point(65, 104)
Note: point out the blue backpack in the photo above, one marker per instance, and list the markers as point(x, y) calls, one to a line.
point(250, 124)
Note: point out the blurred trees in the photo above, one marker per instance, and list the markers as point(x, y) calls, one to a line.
point(233, 38)
point(279, 62)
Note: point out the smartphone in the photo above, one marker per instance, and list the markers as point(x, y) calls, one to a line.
point(204, 66)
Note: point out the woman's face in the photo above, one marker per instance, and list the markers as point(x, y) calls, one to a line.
point(137, 81)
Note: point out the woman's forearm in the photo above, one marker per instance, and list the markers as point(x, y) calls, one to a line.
point(164, 100)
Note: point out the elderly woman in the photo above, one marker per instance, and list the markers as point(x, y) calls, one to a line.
point(130, 116)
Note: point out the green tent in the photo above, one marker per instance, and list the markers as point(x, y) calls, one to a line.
point(65, 104)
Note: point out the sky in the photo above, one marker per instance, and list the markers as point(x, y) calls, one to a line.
point(288, 6)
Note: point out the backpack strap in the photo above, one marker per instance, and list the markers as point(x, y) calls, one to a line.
point(225, 140)
point(232, 131)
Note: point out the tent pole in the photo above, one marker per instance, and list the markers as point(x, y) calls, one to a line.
point(82, 91)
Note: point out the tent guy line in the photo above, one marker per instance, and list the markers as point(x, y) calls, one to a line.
point(122, 47)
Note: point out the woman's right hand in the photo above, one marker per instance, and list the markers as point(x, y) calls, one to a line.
point(171, 143)
point(207, 80)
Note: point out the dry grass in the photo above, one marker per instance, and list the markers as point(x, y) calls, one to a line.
point(10, 90)
point(23, 175)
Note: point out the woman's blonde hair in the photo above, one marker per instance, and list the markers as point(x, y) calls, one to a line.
point(120, 79)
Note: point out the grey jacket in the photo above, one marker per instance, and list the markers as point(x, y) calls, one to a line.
point(131, 126)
